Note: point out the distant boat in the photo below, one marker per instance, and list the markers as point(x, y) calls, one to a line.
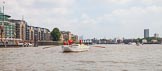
point(75, 48)
point(132, 43)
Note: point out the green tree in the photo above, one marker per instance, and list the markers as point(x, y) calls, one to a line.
point(148, 39)
point(73, 38)
point(55, 34)
point(139, 40)
point(159, 39)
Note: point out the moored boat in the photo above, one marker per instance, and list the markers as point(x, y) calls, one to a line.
point(75, 48)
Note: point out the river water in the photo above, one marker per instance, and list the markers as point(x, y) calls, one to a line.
point(111, 58)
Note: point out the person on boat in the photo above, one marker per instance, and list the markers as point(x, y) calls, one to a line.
point(65, 43)
point(70, 42)
point(80, 41)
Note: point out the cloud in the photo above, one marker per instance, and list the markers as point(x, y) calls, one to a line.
point(127, 20)
point(91, 18)
point(60, 11)
point(34, 12)
point(138, 10)
point(151, 2)
point(117, 1)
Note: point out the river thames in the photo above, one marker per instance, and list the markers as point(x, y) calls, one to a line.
point(111, 58)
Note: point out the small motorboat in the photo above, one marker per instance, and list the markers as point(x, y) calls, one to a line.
point(75, 48)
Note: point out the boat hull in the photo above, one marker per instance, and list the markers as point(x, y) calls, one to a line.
point(74, 48)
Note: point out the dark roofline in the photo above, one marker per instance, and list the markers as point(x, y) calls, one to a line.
point(5, 15)
point(14, 20)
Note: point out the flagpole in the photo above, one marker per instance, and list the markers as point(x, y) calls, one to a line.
point(3, 12)
point(1, 26)
point(4, 23)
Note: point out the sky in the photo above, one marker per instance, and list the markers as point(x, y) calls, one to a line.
point(91, 18)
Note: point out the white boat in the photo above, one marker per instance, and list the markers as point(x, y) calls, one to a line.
point(75, 48)
point(132, 43)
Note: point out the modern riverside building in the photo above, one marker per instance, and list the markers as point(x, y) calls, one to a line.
point(146, 33)
point(27, 33)
point(31, 33)
point(21, 28)
point(41, 34)
point(13, 31)
point(47, 35)
point(42, 37)
point(75, 37)
point(7, 28)
point(65, 35)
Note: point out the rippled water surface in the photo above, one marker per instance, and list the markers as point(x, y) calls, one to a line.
point(111, 58)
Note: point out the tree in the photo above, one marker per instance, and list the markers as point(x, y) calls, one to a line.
point(149, 39)
point(139, 40)
point(159, 39)
point(55, 34)
point(73, 38)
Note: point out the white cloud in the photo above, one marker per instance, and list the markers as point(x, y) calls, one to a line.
point(133, 11)
point(25, 2)
point(17, 9)
point(59, 3)
point(60, 11)
point(113, 18)
point(128, 2)
point(150, 2)
point(134, 19)
point(117, 1)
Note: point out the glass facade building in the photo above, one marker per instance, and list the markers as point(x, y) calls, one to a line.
point(13, 31)
point(146, 33)
point(7, 27)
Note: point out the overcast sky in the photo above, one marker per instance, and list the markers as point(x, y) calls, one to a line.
point(91, 18)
